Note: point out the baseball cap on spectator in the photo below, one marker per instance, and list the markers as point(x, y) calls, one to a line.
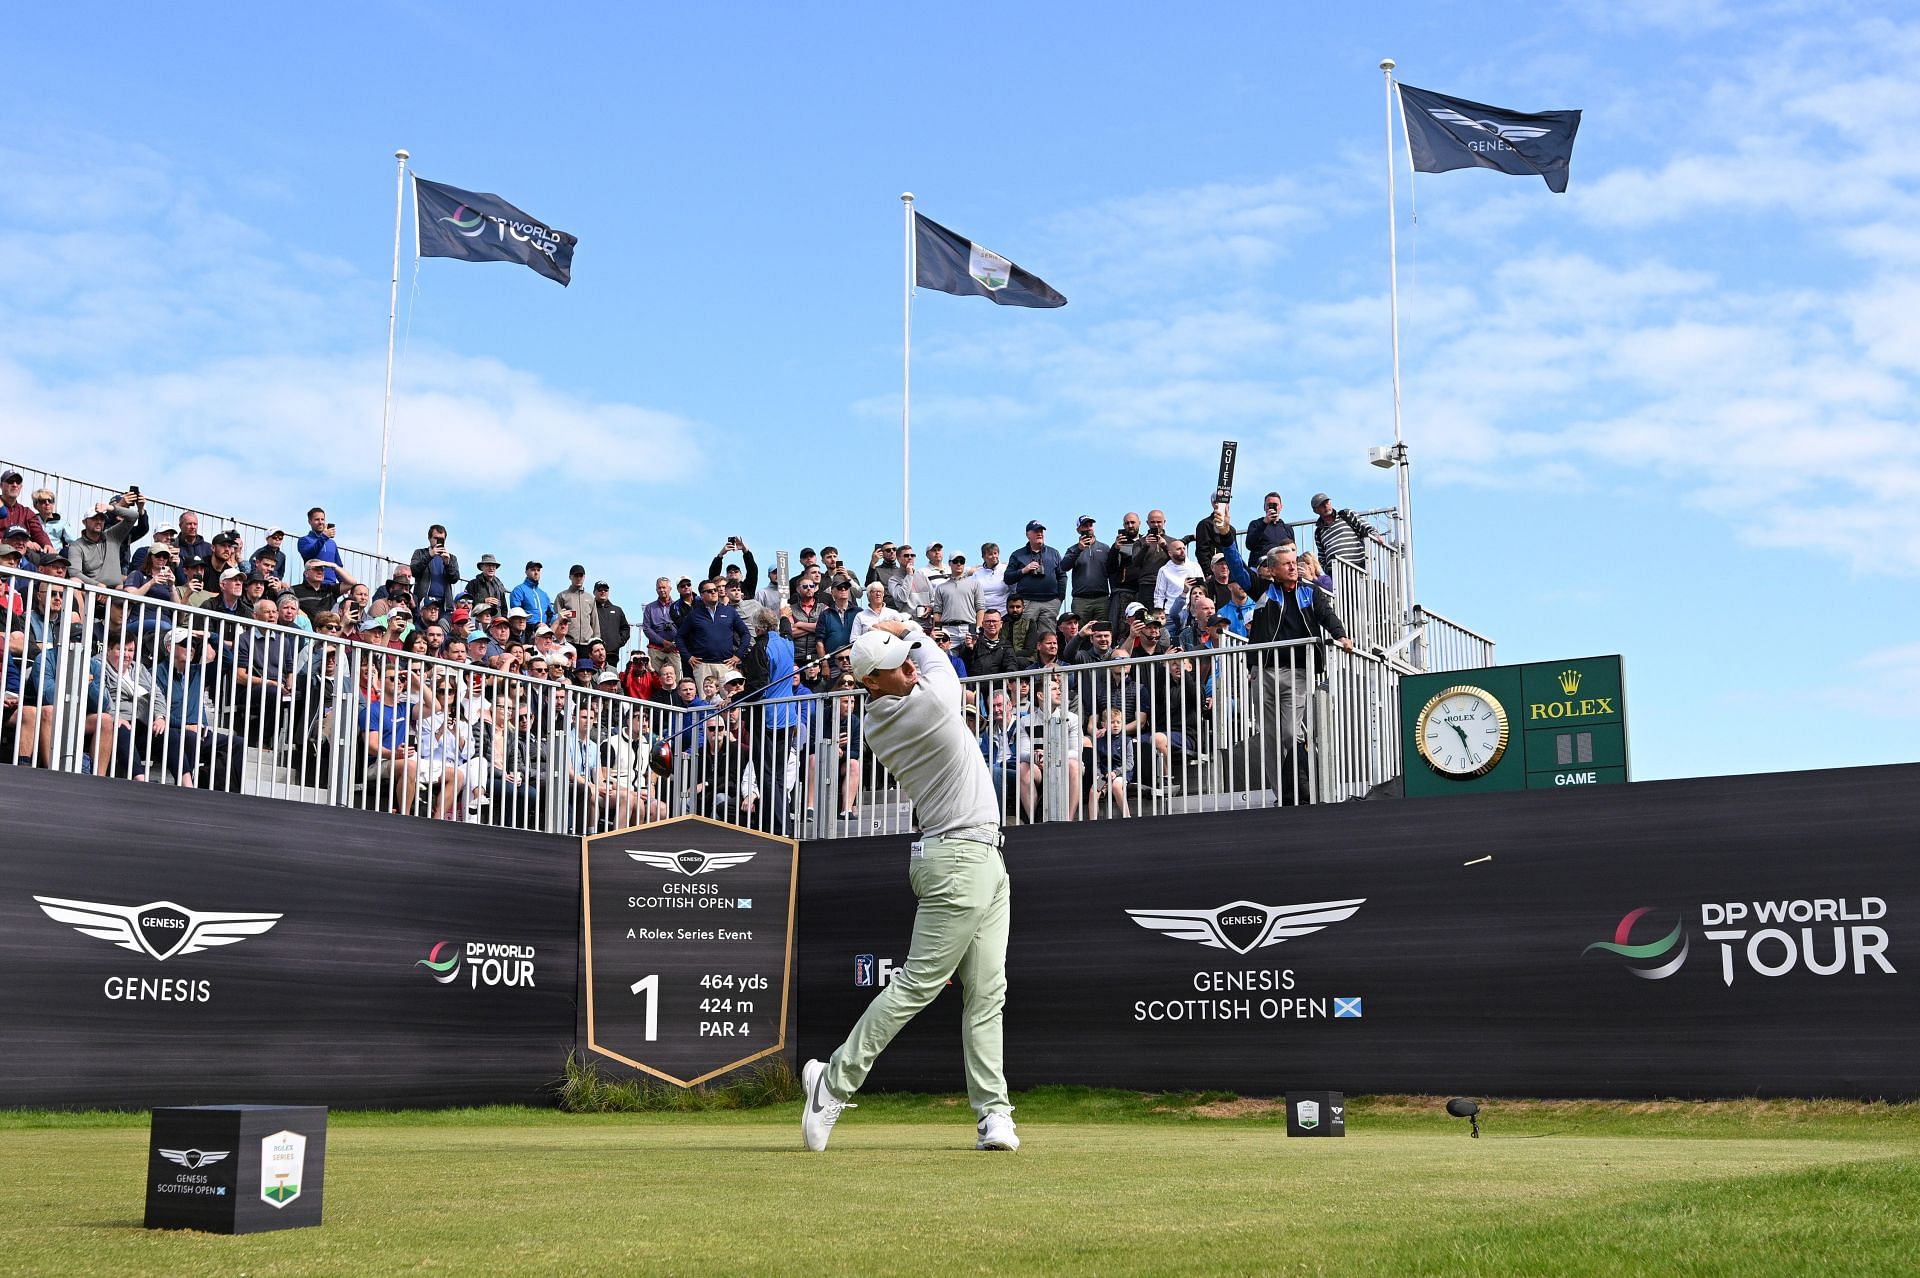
point(496, 621)
point(1033, 525)
point(736, 675)
point(543, 629)
point(374, 623)
point(55, 558)
point(601, 585)
point(576, 571)
point(1085, 521)
point(18, 530)
point(1319, 500)
point(232, 574)
point(1135, 608)
point(166, 530)
point(9, 551)
point(608, 676)
point(227, 538)
point(181, 634)
point(733, 570)
point(488, 561)
point(1217, 622)
point(100, 515)
point(13, 477)
point(461, 613)
point(278, 532)
point(534, 563)
point(151, 550)
point(191, 566)
point(426, 602)
point(516, 612)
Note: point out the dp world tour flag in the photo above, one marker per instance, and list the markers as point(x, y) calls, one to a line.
point(477, 227)
point(1452, 133)
point(954, 264)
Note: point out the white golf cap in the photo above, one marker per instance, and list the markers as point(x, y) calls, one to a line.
point(878, 650)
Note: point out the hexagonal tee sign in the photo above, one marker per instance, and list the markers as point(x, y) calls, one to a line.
point(689, 929)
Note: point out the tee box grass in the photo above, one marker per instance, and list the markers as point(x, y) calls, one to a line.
point(1105, 1182)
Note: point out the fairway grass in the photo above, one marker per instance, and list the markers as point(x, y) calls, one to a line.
point(1104, 1183)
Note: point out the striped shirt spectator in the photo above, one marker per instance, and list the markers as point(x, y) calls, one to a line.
point(1340, 534)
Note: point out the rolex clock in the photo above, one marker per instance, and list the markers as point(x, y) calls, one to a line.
point(1461, 732)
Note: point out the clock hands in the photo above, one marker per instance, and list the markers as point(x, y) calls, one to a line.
point(1463, 735)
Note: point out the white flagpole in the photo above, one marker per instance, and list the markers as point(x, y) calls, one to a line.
point(393, 310)
point(1405, 494)
point(906, 378)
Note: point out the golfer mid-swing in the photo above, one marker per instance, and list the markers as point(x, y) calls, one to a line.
point(914, 725)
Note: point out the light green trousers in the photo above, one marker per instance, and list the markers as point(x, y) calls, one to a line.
point(960, 930)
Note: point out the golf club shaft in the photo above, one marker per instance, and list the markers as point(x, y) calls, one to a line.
point(746, 698)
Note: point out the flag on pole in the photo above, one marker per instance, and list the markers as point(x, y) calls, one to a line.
point(954, 264)
point(1452, 133)
point(477, 227)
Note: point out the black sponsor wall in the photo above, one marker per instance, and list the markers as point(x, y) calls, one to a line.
point(366, 991)
point(1473, 978)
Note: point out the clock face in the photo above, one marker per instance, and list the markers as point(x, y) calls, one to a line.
point(1462, 732)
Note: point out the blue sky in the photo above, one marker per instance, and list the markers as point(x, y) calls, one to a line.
point(1669, 414)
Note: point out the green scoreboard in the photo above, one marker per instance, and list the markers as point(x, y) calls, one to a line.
point(1544, 726)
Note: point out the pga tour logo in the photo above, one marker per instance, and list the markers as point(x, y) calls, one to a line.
point(1826, 936)
point(869, 973)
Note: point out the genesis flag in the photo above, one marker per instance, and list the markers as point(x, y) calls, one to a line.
point(1452, 133)
point(954, 264)
point(477, 227)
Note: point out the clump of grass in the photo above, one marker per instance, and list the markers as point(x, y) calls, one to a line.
point(585, 1090)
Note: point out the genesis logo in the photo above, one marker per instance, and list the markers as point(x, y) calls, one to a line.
point(160, 929)
point(1245, 926)
point(1505, 132)
point(194, 1159)
point(692, 861)
point(1648, 960)
point(442, 962)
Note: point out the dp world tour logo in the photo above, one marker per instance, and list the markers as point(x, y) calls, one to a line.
point(442, 962)
point(159, 929)
point(466, 221)
point(692, 861)
point(1246, 925)
point(1647, 960)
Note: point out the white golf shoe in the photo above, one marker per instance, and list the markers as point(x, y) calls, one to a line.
point(996, 1132)
point(819, 1111)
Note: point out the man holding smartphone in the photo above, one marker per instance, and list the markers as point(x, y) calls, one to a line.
point(435, 569)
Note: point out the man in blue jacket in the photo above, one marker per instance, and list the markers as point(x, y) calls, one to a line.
point(528, 595)
point(713, 636)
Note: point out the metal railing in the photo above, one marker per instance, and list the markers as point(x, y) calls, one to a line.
point(1451, 646)
point(75, 497)
point(114, 684)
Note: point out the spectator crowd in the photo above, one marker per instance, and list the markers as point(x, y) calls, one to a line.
point(208, 645)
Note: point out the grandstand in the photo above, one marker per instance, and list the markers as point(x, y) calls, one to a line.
point(344, 687)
